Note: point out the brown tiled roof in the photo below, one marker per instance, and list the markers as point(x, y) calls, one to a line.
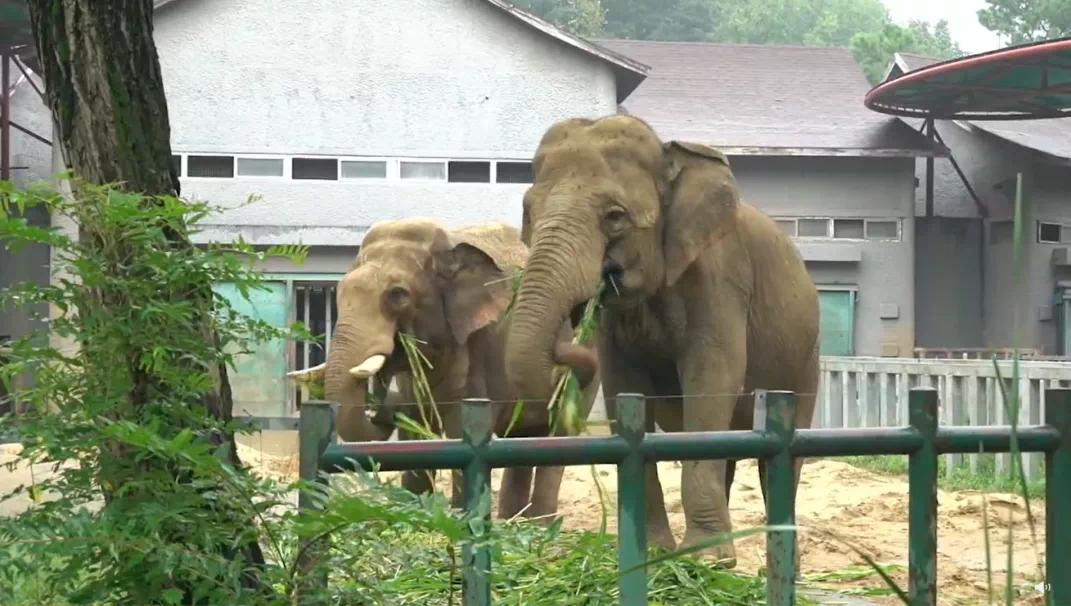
point(768, 97)
point(1048, 136)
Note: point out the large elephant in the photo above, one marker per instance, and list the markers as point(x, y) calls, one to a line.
point(448, 289)
point(706, 298)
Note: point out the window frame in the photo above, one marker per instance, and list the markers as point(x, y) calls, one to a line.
point(188, 155)
point(423, 160)
point(286, 166)
point(390, 168)
point(831, 228)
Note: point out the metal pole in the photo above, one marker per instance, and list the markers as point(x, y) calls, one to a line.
point(929, 168)
point(315, 432)
point(476, 428)
point(5, 116)
point(1058, 500)
point(775, 414)
point(631, 502)
point(922, 499)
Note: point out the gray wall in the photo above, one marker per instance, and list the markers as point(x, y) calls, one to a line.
point(31, 162)
point(423, 79)
point(853, 188)
point(948, 282)
point(1005, 294)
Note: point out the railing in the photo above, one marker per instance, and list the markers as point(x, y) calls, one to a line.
point(774, 439)
point(872, 392)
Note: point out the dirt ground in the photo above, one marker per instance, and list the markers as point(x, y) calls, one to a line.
point(867, 509)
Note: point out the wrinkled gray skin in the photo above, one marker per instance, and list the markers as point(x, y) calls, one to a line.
point(710, 298)
point(448, 289)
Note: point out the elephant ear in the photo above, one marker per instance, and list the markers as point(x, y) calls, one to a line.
point(700, 202)
point(478, 281)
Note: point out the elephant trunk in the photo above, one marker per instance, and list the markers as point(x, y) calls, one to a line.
point(351, 392)
point(561, 272)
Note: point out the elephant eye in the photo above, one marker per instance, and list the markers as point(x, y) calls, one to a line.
point(616, 218)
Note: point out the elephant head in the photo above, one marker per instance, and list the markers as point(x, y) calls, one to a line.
point(412, 276)
point(610, 201)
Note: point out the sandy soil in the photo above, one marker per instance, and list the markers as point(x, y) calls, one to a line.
point(867, 509)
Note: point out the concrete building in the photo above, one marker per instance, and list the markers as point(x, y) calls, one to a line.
point(339, 120)
point(968, 289)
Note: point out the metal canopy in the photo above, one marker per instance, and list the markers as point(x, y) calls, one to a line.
point(1025, 82)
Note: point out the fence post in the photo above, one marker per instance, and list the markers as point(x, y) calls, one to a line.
point(476, 426)
point(631, 502)
point(922, 499)
point(316, 426)
point(1058, 500)
point(775, 414)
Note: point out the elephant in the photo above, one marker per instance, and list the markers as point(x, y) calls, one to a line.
point(705, 299)
point(448, 289)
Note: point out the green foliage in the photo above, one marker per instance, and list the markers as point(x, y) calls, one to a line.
point(874, 50)
point(582, 17)
point(801, 22)
point(862, 25)
point(148, 507)
point(1025, 21)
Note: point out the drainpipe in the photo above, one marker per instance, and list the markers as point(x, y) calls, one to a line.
point(5, 116)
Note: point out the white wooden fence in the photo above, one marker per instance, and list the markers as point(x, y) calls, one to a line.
point(872, 392)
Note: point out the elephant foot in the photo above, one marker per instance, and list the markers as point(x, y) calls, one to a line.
point(661, 538)
point(545, 518)
point(720, 555)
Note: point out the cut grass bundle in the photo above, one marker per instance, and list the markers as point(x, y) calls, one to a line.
point(564, 405)
point(419, 365)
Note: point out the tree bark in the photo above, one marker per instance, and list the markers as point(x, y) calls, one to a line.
point(106, 94)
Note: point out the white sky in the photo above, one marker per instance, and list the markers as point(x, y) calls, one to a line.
point(961, 15)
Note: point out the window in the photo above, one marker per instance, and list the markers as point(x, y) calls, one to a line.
point(514, 172)
point(324, 169)
point(813, 228)
point(423, 170)
point(1049, 233)
point(176, 162)
point(210, 166)
point(848, 228)
point(364, 169)
point(469, 172)
point(882, 230)
point(316, 307)
point(788, 226)
point(260, 167)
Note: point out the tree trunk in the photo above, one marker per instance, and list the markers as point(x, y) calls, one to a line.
point(106, 94)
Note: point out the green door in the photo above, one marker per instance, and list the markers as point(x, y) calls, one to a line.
point(258, 381)
point(837, 322)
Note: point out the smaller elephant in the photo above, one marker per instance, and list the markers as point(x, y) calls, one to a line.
point(449, 289)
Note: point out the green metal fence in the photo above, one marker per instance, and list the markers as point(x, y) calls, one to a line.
point(774, 439)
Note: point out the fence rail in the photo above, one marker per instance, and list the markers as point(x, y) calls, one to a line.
point(872, 392)
point(774, 439)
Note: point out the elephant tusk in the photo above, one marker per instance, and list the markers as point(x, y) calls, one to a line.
point(369, 367)
point(308, 375)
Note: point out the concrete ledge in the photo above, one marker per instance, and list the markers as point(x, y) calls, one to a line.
point(830, 252)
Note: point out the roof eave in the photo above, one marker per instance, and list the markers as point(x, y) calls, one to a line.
point(843, 152)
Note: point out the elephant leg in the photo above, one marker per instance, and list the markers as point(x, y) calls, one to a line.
point(514, 492)
point(417, 481)
point(712, 374)
point(548, 483)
